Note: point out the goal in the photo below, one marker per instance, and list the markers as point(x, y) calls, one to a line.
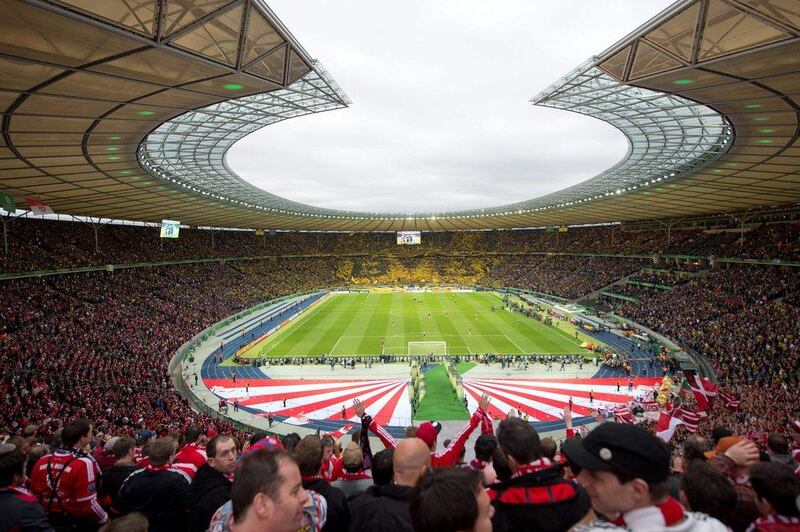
point(427, 348)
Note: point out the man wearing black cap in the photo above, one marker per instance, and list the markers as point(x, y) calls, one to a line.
point(625, 468)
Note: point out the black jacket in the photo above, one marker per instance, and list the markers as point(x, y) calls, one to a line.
point(338, 514)
point(541, 501)
point(19, 510)
point(210, 490)
point(113, 477)
point(161, 495)
point(382, 509)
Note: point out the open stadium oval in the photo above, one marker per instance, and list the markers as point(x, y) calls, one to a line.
point(409, 353)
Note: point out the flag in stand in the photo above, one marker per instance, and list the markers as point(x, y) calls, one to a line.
point(8, 203)
point(704, 392)
point(731, 401)
point(666, 425)
point(690, 419)
point(39, 208)
point(757, 436)
point(623, 414)
point(649, 406)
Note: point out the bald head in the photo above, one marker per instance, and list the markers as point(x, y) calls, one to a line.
point(411, 459)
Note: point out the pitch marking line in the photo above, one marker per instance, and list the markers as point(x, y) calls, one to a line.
point(515, 343)
point(287, 331)
point(420, 334)
point(333, 349)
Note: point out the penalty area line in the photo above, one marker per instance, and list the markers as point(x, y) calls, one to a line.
point(515, 344)
point(334, 345)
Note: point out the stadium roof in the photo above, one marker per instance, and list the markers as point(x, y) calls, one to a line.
point(125, 109)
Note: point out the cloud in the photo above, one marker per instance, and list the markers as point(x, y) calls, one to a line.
point(440, 118)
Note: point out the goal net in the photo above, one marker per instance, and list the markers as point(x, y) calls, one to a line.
point(427, 348)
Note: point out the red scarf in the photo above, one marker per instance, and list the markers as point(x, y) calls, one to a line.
point(536, 465)
point(775, 523)
point(668, 513)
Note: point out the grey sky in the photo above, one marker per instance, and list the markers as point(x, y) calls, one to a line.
point(440, 117)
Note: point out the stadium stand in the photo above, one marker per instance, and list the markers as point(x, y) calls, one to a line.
point(95, 435)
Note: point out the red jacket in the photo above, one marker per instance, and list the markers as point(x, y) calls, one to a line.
point(190, 458)
point(75, 476)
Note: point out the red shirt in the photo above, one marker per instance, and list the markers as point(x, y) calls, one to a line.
point(190, 458)
point(75, 475)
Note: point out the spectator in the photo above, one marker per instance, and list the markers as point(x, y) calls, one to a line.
point(704, 489)
point(19, 509)
point(133, 522)
point(351, 477)
point(329, 460)
point(212, 485)
point(124, 450)
point(267, 493)
point(308, 456)
point(624, 469)
point(290, 440)
point(158, 492)
point(733, 457)
point(694, 449)
point(65, 482)
point(536, 497)
point(385, 508)
point(778, 450)
point(193, 451)
point(382, 464)
point(451, 500)
point(549, 448)
point(778, 497)
point(485, 446)
point(428, 433)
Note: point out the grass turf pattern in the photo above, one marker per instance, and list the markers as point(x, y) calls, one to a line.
point(355, 323)
point(440, 402)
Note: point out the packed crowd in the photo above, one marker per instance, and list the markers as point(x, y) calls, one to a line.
point(618, 477)
point(747, 322)
point(568, 277)
point(36, 244)
point(97, 345)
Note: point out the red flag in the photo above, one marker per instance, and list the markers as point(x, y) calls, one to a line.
point(731, 401)
point(666, 425)
point(649, 406)
point(704, 391)
point(623, 414)
point(39, 208)
point(757, 436)
point(689, 418)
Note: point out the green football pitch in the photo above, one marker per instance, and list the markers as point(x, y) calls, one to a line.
point(385, 323)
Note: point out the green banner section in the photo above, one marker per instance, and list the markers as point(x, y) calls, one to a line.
point(615, 295)
point(8, 203)
point(649, 285)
